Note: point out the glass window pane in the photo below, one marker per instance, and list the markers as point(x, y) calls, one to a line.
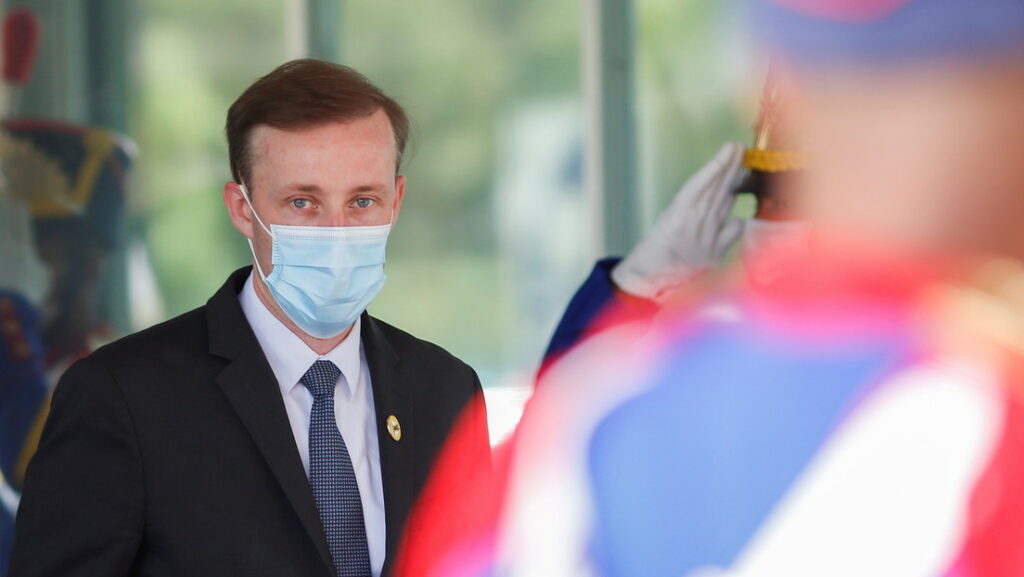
point(690, 91)
point(492, 240)
point(195, 57)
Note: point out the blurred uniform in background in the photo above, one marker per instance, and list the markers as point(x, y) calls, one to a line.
point(862, 414)
point(23, 283)
point(79, 207)
point(63, 203)
point(23, 388)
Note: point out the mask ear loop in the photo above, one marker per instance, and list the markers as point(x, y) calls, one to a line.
point(391, 222)
point(245, 195)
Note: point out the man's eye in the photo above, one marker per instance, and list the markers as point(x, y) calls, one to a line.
point(300, 203)
point(364, 202)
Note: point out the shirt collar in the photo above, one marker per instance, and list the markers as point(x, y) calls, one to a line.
point(288, 356)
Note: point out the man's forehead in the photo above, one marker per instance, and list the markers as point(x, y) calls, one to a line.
point(305, 160)
point(373, 125)
point(369, 136)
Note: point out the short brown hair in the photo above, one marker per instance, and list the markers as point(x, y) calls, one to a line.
point(305, 93)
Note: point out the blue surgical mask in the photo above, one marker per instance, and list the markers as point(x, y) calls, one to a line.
point(324, 277)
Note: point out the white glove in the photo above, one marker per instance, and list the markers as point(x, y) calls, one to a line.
point(691, 235)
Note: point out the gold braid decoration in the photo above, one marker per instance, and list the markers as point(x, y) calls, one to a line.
point(774, 160)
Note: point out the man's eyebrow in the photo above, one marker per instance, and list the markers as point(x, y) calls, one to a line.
point(371, 187)
point(301, 187)
point(313, 188)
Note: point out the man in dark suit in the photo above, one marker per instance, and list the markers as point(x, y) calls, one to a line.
point(279, 430)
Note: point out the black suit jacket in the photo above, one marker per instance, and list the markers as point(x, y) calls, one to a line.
point(169, 453)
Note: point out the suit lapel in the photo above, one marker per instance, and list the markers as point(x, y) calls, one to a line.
point(250, 386)
point(391, 398)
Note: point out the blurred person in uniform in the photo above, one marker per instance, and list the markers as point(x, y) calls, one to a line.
point(279, 429)
point(78, 200)
point(863, 414)
point(24, 282)
point(63, 214)
point(64, 197)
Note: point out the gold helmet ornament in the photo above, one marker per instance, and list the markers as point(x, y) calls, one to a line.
point(777, 147)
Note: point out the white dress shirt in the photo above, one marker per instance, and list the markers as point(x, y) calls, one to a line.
point(290, 358)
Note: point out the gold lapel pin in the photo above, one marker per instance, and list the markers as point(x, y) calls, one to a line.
point(395, 428)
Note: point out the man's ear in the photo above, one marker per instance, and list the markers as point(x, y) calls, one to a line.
point(399, 196)
point(238, 208)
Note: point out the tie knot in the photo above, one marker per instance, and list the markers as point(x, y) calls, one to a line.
point(321, 378)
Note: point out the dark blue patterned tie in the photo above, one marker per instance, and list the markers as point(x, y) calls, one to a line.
point(333, 479)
